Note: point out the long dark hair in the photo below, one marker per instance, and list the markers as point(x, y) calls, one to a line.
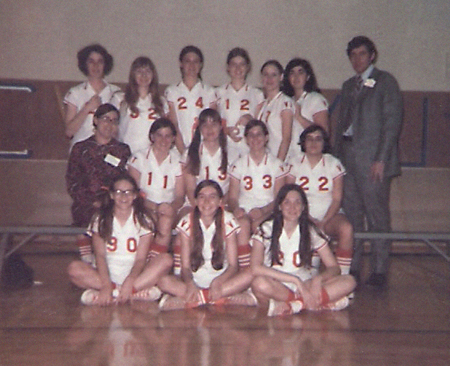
point(105, 213)
point(197, 239)
point(305, 224)
point(131, 91)
point(193, 156)
point(311, 83)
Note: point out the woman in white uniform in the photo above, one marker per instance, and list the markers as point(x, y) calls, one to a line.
point(142, 104)
point(300, 83)
point(157, 170)
point(122, 236)
point(255, 180)
point(321, 176)
point(281, 261)
point(189, 97)
point(208, 255)
point(237, 101)
point(207, 156)
point(81, 101)
point(277, 111)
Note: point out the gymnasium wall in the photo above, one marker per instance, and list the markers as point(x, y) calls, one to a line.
point(39, 38)
point(34, 121)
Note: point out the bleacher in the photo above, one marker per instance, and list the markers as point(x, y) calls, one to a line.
point(33, 194)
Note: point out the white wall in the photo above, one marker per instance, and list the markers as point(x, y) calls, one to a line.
point(39, 38)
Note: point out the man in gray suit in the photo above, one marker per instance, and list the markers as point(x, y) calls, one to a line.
point(366, 141)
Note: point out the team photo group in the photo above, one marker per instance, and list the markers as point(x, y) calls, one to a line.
point(230, 195)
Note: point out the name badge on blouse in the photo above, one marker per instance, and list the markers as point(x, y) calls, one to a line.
point(111, 159)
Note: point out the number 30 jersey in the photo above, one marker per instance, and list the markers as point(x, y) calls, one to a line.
point(121, 249)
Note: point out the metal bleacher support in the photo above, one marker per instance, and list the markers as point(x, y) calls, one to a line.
point(7, 246)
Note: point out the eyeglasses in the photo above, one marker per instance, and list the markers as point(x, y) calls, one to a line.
point(108, 119)
point(127, 192)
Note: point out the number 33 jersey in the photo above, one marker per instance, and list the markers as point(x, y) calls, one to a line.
point(257, 181)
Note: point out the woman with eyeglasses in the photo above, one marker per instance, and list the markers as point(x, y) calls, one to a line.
point(93, 164)
point(321, 176)
point(122, 233)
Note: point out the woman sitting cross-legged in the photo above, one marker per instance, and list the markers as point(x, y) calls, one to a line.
point(122, 237)
point(208, 256)
point(281, 261)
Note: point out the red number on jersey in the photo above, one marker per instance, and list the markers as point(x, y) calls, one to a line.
point(222, 176)
point(303, 183)
point(149, 181)
point(281, 257)
point(323, 184)
point(248, 183)
point(227, 104)
point(267, 181)
point(199, 102)
point(296, 259)
point(165, 181)
point(131, 245)
point(244, 105)
point(152, 115)
point(111, 246)
point(182, 103)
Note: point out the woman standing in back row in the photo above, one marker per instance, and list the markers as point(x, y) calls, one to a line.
point(277, 111)
point(143, 104)
point(82, 100)
point(300, 83)
point(189, 97)
point(237, 101)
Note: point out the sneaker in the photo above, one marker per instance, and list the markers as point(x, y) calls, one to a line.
point(342, 303)
point(89, 297)
point(169, 302)
point(277, 308)
point(243, 299)
point(148, 294)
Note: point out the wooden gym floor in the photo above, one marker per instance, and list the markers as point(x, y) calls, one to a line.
point(406, 324)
